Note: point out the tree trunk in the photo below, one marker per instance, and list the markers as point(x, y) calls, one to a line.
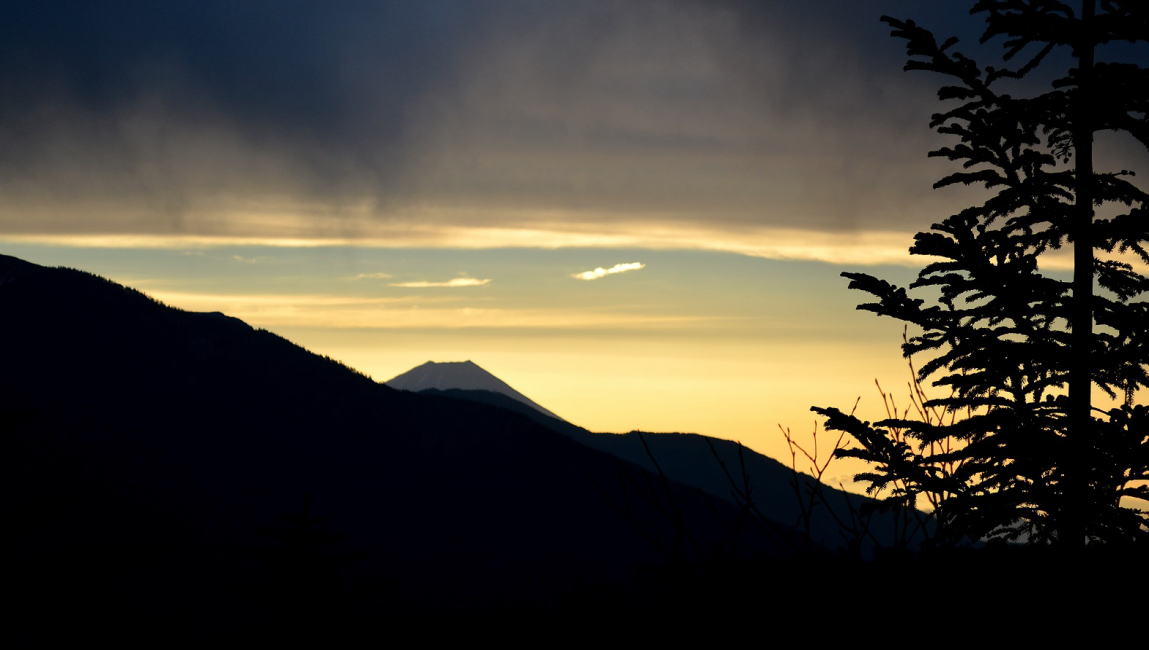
point(1073, 524)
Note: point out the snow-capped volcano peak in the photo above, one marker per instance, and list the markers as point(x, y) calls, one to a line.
point(462, 375)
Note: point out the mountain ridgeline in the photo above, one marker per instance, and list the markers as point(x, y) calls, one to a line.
point(165, 458)
point(836, 519)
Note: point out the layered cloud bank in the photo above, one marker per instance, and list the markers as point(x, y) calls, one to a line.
point(400, 124)
point(774, 129)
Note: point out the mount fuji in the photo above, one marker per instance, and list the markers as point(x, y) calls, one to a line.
point(459, 375)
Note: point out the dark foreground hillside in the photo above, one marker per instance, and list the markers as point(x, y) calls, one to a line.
point(166, 460)
point(835, 519)
point(157, 463)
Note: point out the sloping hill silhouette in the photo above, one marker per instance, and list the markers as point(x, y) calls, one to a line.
point(736, 474)
point(171, 459)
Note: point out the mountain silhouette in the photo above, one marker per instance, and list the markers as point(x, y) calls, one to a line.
point(734, 473)
point(463, 375)
point(160, 458)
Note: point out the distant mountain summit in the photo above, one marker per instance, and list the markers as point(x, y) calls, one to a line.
point(459, 375)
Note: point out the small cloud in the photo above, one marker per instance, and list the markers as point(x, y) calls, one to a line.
point(373, 276)
point(250, 260)
point(453, 283)
point(600, 272)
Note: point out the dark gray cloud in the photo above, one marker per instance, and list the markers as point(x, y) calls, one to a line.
point(295, 117)
point(152, 98)
point(291, 68)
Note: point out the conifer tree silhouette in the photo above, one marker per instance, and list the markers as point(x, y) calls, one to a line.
point(1021, 350)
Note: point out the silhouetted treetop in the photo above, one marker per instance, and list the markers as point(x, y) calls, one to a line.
point(1019, 349)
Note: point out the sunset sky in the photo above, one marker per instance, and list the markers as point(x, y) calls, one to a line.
point(389, 183)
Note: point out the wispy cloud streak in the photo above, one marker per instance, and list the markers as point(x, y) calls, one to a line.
point(453, 283)
point(600, 272)
point(863, 247)
point(414, 313)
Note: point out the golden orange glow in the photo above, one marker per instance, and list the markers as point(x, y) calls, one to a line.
point(855, 248)
point(734, 389)
point(334, 312)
